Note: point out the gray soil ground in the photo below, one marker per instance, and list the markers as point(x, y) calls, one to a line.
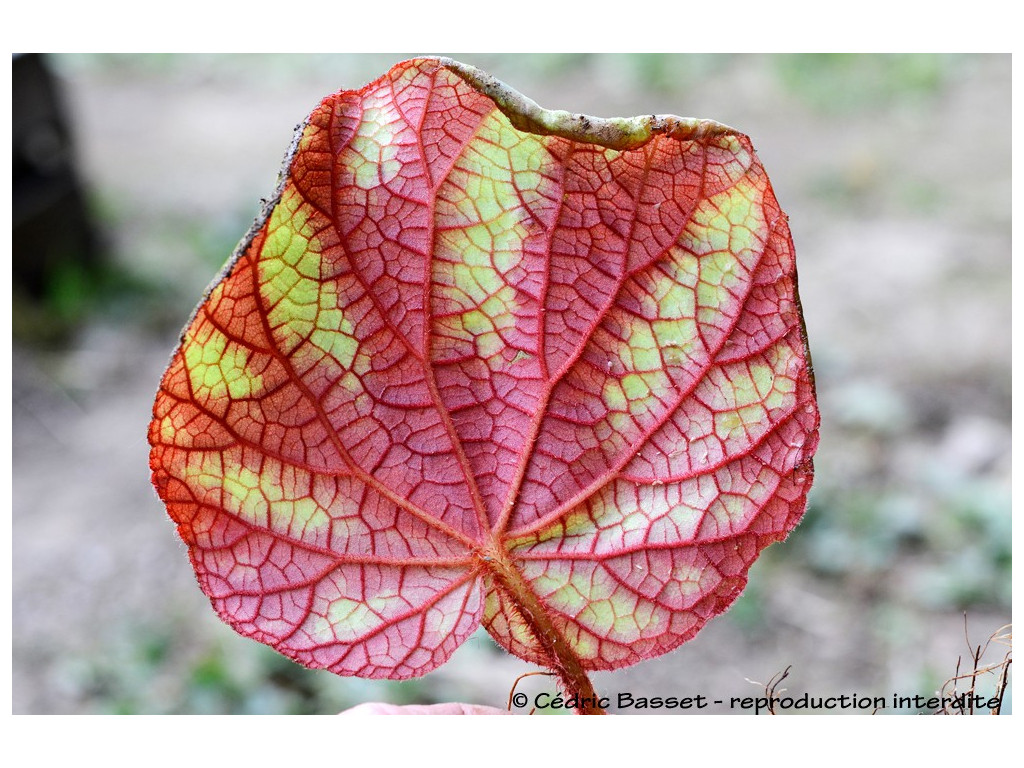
point(896, 175)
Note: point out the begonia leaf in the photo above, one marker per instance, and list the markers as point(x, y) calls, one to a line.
point(482, 363)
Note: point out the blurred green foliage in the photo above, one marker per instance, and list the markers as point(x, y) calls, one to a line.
point(154, 670)
point(947, 545)
point(839, 83)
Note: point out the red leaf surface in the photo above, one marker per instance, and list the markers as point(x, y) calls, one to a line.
point(478, 362)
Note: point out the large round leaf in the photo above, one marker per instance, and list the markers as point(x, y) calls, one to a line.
point(483, 363)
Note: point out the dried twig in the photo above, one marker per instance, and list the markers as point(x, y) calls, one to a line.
point(517, 681)
point(954, 700)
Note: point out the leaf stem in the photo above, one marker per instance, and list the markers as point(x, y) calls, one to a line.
point(561, 657)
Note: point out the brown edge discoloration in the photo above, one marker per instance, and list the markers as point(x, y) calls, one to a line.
point(620, 133)
point(267, 206)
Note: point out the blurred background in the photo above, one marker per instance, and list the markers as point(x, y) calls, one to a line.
point(136, 175)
